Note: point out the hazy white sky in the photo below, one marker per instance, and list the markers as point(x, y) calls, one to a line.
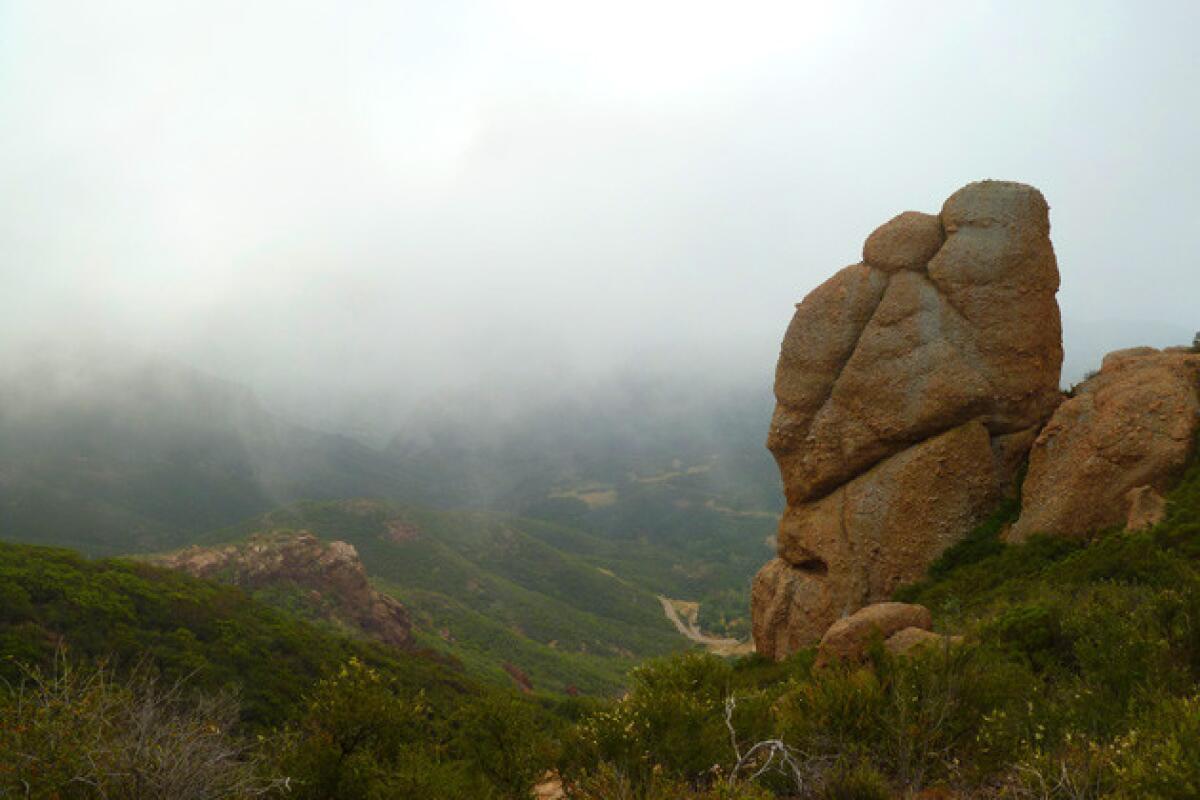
point(351, 198)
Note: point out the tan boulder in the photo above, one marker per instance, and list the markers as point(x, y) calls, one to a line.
point(848, 638)
point(875, 360)
point(909, 389)
point(820, 339)
point(1131, 426)
point(907, 241)
point(909, 640)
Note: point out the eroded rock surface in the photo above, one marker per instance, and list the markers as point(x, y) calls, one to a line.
point(910, 640)
point(329, 577)
point(909, 389)
point(1147, 508)
point(790, 608)
point(848, 638)
point(1110, 452)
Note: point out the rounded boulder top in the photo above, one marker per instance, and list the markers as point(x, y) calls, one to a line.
point(906, 241)
point(984, 204)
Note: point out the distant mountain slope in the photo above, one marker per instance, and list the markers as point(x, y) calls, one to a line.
point(120, 455)
point(655, 487)
point(673, 462)
point(493, 588)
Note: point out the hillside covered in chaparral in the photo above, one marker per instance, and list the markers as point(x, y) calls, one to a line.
point(983, 586)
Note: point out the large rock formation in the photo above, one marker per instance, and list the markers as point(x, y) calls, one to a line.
point(328, 580)
point(1110, 452)
point(909, 387)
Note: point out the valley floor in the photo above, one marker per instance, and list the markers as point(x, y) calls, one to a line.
point(689, 628)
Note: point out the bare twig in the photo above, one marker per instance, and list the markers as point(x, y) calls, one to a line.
point(772, 753)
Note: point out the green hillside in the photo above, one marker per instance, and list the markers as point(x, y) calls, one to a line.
point(678, 466)
point(667, 486)
point(129, 611)
point(491, 589)
point(580, 513)
point(331, 716)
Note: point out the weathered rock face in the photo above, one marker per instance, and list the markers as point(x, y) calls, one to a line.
point(1147, 508)
point(909, 389)
point(790, 608)
point(910, 640)
point(331, 577)
point(848, 638)
point(1110, 452)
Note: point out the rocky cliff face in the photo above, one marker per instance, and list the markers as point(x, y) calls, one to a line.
point(329, 577)
point(909, 389)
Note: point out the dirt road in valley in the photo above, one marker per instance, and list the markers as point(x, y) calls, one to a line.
point(687, 625)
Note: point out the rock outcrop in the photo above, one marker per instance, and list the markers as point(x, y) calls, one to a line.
point(849, 637)
point(1110, 452)
point(909, 389)
point(330, 579)
point(910, 640)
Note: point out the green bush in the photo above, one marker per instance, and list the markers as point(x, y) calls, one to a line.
point(1160, 756)
point(1033, 630)
point(362, 736)
point(671, 721)
point(88, 733)
point(859, 781)
point(607, 782)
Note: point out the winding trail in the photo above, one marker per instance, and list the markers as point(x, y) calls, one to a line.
point(689, 628)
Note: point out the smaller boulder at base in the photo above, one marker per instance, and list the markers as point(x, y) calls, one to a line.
point(849, 637)
point(904, 642)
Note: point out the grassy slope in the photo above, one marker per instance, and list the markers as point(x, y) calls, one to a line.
point(217, 634)
point(498, 589)
point(714, 527)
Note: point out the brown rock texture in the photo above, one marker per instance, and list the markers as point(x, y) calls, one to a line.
point(908, 241)
point(330, 576)
point(849, 637)
point(909, 389)
point(1147, 508)
point(909, 640)
point(878, 530)
point(790, 608)
point(1132, 426)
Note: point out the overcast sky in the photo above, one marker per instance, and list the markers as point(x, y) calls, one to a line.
point(359, 199)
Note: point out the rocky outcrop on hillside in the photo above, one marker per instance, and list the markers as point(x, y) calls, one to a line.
point(909, 390)
point(1112, 450)
point(328, 579)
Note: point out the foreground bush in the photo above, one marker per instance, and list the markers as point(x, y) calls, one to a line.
point(361, 736)
point(84, 733)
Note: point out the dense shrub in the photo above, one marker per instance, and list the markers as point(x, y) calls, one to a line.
point(88, 733)
point(339, 718)
point(362, 737)
point(672, 719)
